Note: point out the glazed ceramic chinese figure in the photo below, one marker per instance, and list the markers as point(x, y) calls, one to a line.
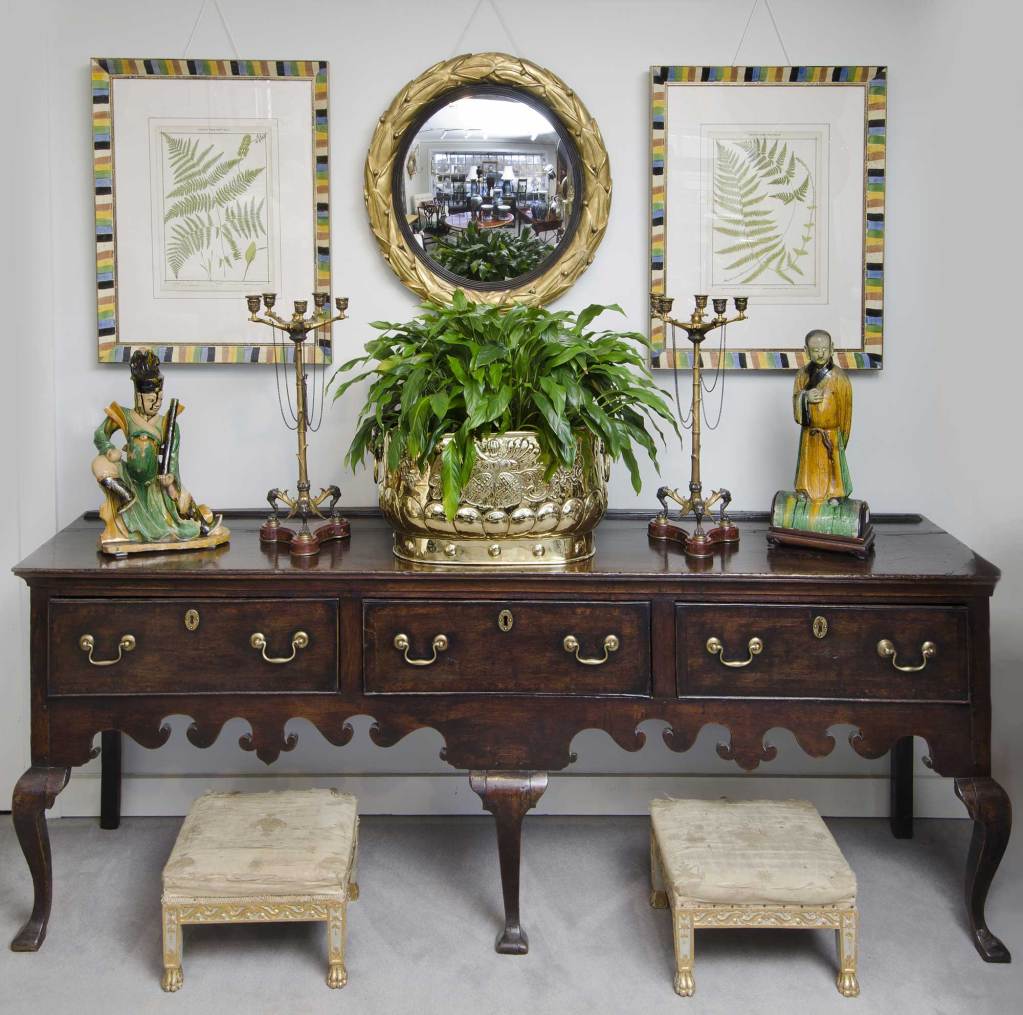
point(819, 513)
point(146, 506)
point(822, 404)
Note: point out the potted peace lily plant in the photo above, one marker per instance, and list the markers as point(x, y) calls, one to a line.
point(493, 428)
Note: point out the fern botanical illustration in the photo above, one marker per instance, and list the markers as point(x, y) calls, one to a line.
point(756, 199)
point(207, 212)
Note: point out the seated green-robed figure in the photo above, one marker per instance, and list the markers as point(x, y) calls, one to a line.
point(144, 503)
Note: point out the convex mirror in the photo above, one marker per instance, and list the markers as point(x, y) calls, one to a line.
point(487, 174)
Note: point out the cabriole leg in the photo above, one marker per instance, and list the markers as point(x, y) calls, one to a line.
point(991, 811)
point(34, 794)
point(508, 796)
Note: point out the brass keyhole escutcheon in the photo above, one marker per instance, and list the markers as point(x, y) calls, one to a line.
point(505, 620)
point(191, 620)
point(820, 627)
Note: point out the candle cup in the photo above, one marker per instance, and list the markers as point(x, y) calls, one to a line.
point(269, 299)
point(661, 305)
point(253, 304)
point(300, 307)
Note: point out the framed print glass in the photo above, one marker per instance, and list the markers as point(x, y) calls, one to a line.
point(769, 183)
point(211, 182)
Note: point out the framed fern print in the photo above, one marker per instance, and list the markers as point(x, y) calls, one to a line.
point(769, 183)
point(211, 182)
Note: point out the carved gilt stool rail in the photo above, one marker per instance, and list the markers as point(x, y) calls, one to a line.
point(263, 858)
point(755, 863)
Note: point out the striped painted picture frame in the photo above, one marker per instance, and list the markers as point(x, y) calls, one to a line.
point(862, 284)
point(114, 344)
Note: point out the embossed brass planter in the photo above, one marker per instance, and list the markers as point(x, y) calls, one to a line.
point(509, 515)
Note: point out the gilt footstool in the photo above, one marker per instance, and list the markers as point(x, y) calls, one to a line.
point(750, 863)
point(261, 858)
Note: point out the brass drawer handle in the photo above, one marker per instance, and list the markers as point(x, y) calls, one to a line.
point(715, 648)
point(886, 650)
point(611, 644)
point(440, 644)
point(87, 643)
point(298, 640)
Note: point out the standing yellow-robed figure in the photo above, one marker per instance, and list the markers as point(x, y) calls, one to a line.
point(822, 405)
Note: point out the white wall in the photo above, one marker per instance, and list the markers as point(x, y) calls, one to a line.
point(934, 432)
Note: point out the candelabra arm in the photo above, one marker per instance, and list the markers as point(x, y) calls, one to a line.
point(321, 322)
point(270, 319)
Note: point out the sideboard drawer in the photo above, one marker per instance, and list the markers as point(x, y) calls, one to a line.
point(823, 652)
point(188, 645)
point(506, 647)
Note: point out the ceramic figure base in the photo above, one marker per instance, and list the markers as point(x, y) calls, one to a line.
point(843, 526)
point(121, 547)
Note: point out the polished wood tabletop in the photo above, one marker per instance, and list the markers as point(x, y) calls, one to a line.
point(906, 550)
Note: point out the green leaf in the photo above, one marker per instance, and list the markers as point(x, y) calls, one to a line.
point(439, 403)
point(450, 467)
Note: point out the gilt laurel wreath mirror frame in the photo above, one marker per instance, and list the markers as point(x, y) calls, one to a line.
point(396, 130)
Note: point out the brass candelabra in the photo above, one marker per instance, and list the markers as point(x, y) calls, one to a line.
point(700, 542)
point(305, 542)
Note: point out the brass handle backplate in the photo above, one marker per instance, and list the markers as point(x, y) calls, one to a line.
point(87, 643)
point(571, 644)
point(886, 650)
point(716, 648)
point(440, 644)
point(298, 640)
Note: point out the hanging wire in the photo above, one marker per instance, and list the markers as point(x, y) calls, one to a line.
point(279, 352)
point(774, 25)
point(223, 24)
point(720, 378)
point(709, 388)
point(310, 369)
point(319, 370)
point(684, 418)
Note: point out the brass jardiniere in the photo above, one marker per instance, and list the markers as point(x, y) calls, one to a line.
point(508, 515)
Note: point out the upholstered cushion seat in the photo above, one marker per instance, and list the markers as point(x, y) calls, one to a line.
point(258, 858)
point(753, 852)
point(750, 863)
point(276, 843)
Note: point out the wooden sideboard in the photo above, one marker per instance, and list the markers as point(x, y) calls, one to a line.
point(510, 664)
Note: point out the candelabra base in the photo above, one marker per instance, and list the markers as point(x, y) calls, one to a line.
point(304, 544)
point(703, 544)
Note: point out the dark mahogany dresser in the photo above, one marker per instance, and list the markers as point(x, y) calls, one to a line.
point(508, 665)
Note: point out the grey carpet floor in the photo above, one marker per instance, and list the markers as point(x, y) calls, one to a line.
point(421, 935)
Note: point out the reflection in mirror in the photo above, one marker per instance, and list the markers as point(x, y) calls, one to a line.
point(488, 188)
